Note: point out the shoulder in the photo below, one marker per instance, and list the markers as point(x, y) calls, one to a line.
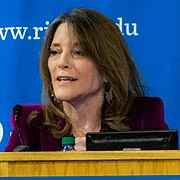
point(147, 103)
point(147, 113)
point(27, 108)
point(25, 111)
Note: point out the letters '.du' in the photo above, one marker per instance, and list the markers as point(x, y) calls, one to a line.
point(126, 28)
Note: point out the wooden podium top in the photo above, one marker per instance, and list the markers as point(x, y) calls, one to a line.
point(89, 155)
point(89, 163)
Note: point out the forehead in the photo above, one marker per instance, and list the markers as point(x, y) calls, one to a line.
point(65, 33)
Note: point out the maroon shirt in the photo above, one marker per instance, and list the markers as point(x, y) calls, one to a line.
point(146, 114)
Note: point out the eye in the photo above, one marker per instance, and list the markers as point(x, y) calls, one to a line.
point(78, 53)
point(53, 52)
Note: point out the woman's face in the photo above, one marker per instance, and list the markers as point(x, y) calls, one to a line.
point(75, 77)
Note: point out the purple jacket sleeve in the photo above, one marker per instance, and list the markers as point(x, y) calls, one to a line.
point(147, 114)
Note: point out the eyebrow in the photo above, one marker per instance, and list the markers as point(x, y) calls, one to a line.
point(58, 44)
point(55, 45)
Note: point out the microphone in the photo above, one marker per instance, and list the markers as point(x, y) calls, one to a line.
point(17, 111)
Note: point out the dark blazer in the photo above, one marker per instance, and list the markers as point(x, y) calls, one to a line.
point(146, 114)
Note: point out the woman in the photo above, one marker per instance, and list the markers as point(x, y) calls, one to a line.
point(90, 84)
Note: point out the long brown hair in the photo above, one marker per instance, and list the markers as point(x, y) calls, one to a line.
point(101, 40)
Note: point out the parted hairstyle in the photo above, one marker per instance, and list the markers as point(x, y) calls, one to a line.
point(102, 41)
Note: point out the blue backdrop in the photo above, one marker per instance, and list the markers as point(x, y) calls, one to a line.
point(150, 27)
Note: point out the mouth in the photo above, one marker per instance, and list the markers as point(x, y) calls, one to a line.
point(65, 79)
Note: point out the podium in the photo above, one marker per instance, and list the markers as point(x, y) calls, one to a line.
point(89, 163)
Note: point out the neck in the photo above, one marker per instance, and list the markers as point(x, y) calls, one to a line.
point(85, 116)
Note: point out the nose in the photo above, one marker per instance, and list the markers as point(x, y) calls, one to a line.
point(64, 61)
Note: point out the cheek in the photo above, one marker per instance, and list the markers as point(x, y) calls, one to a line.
point(93, 75)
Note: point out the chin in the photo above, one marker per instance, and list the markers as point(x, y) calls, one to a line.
point(66, 96)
